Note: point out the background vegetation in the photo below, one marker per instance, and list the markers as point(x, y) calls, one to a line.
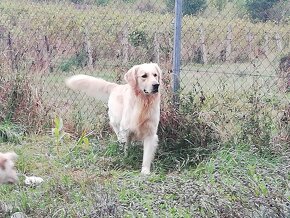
point(223, 152)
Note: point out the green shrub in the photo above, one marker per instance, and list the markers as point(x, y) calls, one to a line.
point(10, 132)
point(260, 10)
point(220, 4)
point(76, 61)
point(280, 12)
point(129, 1)
point(77, 1)
point(138, 38)
point(102, 2)
point(189, 7)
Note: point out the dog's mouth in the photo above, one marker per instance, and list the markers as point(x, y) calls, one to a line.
point(148, 93)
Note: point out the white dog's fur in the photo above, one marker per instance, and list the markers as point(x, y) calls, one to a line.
point(7, 171)
point(134, 108)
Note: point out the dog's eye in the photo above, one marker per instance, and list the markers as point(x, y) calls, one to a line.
point(155, 75)
point(144, 76)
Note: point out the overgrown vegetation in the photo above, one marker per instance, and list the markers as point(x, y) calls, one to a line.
point(21, 108)
point(224, 155)
point(223, 151)
point(284, 73)
point(185, 135)
point(265, 10)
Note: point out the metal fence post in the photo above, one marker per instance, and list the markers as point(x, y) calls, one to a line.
point(176, 51)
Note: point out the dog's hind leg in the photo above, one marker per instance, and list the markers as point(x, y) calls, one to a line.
point(115, 124)
point(150, 146)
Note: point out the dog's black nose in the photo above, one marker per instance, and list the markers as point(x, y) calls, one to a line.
point(155, 87)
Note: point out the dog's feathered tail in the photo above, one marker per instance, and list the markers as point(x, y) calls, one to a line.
point(92, 86)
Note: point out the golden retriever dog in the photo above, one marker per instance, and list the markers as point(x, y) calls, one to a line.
point(134, 108)
point(7, 171)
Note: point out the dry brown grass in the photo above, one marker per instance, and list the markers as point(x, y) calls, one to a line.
point(22, 104)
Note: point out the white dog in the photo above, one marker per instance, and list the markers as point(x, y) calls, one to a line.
point(134, 108)
point(7, 171)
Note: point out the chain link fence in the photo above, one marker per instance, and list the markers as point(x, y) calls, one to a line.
point(233, 64)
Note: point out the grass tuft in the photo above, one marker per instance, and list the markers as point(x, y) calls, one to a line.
point(10, 132)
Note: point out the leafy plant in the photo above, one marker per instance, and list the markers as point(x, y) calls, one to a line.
point(57, 132)
point(84, 139)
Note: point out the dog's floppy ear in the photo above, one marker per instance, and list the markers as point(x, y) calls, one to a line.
point(131, 76)
point(159, 71)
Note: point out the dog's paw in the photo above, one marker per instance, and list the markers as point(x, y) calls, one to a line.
point(145, 171)
point(122, 137)
point(122, 140)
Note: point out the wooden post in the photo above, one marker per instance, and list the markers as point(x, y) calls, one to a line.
point(88, 49)
point(287, 41)
point(202, 45)
point(278, 42)
point(250, 39)
point(266, 44)
point(156, 49)
point(229, 42)
point(48, 54)
point(10, 50)
point(168, 51)
point(125, 44)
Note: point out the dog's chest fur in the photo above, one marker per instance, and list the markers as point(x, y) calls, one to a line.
point(144, 119)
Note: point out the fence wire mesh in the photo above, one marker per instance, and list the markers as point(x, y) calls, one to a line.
point(237, 67)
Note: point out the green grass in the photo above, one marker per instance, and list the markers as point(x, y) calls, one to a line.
point(10, 132)
point(232, 77)
point(95, 180)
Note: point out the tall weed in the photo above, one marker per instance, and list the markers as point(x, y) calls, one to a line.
point(21, 103)
point(186, 136)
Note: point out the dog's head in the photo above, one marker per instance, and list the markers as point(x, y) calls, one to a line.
point(144, 78)
point(7, 171)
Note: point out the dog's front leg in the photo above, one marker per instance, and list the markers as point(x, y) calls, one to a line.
point(150, 146)
point(123, 135)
